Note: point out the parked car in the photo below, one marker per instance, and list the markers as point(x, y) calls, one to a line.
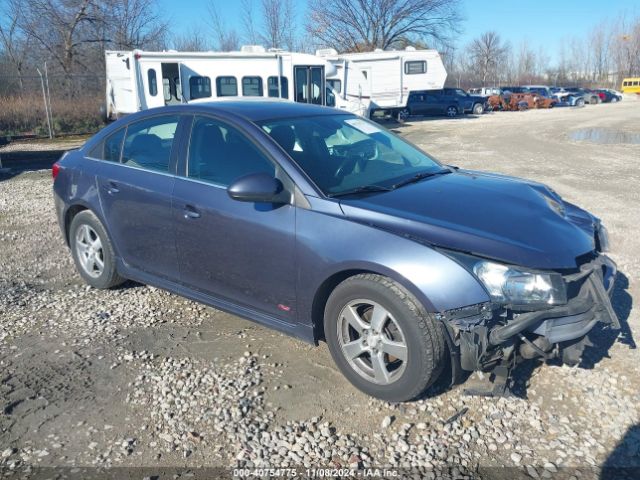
point(326, 226)
point(433, 103)
point(608, 96)
point(566, 98)
point(591, 97)
point(476, 104)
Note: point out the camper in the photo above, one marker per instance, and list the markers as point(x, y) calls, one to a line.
point(138, 80)
point(378, 83)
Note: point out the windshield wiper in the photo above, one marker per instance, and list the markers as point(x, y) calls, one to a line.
point(362, 189)
point(418, 177)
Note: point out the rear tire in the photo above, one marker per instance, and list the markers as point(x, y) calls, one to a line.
point(382, 339)
point(93, 252)
point(452, 111)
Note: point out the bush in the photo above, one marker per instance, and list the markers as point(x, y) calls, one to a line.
point(24, 114)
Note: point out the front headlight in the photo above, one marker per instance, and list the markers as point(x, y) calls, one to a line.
point(516, 286)
point(603, 238)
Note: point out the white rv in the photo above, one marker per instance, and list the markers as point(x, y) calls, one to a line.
point(137, 80)
point(379, 82)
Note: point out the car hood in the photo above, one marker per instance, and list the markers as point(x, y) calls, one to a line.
point(494, 216)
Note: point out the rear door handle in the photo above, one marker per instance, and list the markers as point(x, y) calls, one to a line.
point(191, 212)
point(112, 188)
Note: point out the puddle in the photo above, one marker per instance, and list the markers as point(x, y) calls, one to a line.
point(604, 136)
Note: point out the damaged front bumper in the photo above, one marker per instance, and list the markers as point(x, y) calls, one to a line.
point(489, 335)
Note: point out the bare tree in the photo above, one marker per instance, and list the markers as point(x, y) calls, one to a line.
point(487, 54)
point(191, 41)
point(134, 24)
point(279, 23)
point(226, 39)
point(361, 25)
point(248, 22)
point(12, 38)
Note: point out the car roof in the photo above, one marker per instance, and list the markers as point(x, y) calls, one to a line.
point(258, 110)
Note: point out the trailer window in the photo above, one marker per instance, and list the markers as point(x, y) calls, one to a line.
point(251, 87)
point(335, 85)
point(411, 68)
point(199, 87)
point(153, 82)
point(272, 87)
point(227, 86)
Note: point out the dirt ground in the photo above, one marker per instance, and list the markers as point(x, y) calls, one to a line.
point(137, 377)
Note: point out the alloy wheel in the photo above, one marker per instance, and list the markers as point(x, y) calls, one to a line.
point(372, 342)
point(89, 250)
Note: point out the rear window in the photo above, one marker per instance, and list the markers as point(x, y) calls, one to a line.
point(148, 143)
point(110, 148)
point(199, 87)
point(227, 86)
point(415, 67)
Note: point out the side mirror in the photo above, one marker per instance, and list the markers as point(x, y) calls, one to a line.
point(257, 188)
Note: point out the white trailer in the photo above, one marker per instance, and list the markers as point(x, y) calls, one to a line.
point(379, 82)
point(137, 80)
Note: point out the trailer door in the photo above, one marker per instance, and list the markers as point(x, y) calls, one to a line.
point(151, 73)
point(309, 84)
point(122, 95)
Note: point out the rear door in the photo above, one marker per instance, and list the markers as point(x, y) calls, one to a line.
point(135, 194)
point(122, 95)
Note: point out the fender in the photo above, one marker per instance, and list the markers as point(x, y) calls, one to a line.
point(437, 281)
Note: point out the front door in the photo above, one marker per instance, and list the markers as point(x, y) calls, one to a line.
point(135, 194)
point(236, 251)
point(309, 84)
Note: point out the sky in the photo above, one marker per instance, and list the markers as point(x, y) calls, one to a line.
point(542, 23)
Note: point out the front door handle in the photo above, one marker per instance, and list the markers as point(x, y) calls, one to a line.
point(191, 212)
point(112, 188)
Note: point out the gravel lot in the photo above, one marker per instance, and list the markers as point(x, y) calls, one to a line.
point(140, 377)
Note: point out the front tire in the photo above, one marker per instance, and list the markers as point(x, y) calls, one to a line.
point(478, 109)
point(92, 251)
point(382, 338)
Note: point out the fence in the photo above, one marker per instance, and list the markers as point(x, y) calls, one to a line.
point(45, 104)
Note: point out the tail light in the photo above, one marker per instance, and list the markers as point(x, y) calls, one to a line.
point(602, 95)
point(55, 169)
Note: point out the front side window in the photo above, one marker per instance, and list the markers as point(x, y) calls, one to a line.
point(415, 67)
point(227, 86)
point(110, 148)
point(199, 87)
point(148, 143)
point(220, 154)
point(251, 86)
point(272, 87)
point(343, 152)
point(153, 82)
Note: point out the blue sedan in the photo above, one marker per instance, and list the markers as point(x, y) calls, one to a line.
point(328, 227)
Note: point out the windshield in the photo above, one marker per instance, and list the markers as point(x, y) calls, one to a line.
point(343, 153)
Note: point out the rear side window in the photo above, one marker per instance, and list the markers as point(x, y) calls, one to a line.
point(272, 87)
point(227, 86)
point(199, 87)
point(414, 67)
point(153, 82)
point(148, 143)
point(110, 148)
point(220, 154)
point(251, 86)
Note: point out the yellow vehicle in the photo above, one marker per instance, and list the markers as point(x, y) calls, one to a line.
point(631, 85)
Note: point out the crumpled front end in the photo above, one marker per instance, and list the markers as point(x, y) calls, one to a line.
point(489, 335)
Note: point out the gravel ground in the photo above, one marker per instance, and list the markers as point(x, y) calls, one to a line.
point(139, 377)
